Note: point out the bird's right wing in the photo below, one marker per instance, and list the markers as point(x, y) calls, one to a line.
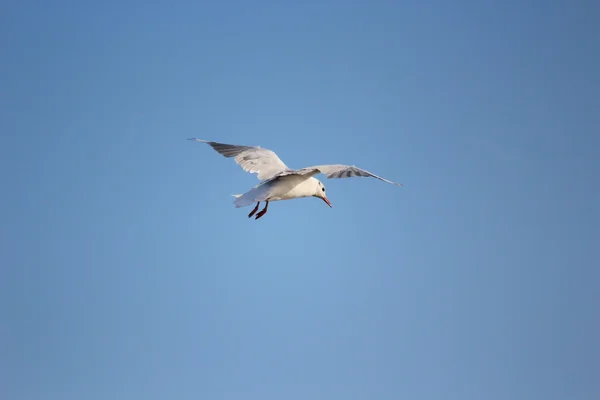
point(252, 159)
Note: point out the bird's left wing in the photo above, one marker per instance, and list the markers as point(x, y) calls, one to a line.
point(252, 159)
point(346, 171)
point(303, 173)
point(330, 171)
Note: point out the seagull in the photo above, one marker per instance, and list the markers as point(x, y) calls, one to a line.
point(278, 182)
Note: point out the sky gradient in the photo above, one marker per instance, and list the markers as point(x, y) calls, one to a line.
point(126, 272)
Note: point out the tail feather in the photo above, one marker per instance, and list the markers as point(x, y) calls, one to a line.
point(242, 201)
point(258, 193)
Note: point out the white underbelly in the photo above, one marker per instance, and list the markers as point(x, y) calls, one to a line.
point(290, 188)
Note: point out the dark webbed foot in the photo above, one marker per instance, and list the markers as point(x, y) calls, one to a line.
point(263, 211)
point(253, 211)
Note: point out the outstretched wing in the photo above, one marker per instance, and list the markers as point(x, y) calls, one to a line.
point(252, 159)
point(346, 171)
point(330, 171)
point(305, 173)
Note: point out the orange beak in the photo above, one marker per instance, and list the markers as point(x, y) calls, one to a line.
point(326, 201)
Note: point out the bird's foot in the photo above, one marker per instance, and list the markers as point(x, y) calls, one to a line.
point(263, 212)
point(260, 214)
point(254, 211)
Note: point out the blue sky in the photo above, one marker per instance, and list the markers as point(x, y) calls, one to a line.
point(128, 274)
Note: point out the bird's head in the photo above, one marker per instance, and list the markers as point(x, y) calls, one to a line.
point(320, 192)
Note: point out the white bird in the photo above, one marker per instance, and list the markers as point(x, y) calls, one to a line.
point(278, 181)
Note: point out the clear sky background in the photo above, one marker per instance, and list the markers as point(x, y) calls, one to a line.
point(126, 272)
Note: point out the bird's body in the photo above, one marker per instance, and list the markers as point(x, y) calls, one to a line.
point(278, 181)
point(287, 188)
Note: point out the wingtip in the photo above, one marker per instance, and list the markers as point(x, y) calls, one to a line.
point(198, 140)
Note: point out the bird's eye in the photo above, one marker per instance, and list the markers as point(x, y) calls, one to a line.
point(323, 189)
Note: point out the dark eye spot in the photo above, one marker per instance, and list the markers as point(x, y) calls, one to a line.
point(323, 189)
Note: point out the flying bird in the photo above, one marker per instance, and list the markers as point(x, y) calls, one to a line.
point(278, 182)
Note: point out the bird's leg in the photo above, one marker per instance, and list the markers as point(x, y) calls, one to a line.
point(253, 211)
point(263, 212)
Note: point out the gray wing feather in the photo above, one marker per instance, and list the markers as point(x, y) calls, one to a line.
point(252, 159)
point(347, 171)
point(304, 172)
point(330, 171)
